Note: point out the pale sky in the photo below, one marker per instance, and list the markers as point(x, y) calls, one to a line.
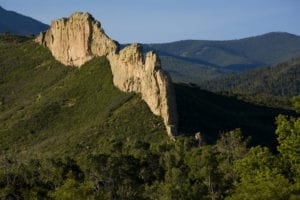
point(155, 21)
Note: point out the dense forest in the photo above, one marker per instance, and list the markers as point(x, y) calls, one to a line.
point(185, 169)
point(279, 82)
point(68, 133)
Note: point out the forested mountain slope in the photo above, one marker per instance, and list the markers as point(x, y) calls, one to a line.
point(68, 133)
point(47, 107)
point(278, 81)
point(44, 102)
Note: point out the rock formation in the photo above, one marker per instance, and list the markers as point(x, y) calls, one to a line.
point(134, 73)
point(75, 40)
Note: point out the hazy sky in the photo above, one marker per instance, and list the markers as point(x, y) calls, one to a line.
point(170, 20)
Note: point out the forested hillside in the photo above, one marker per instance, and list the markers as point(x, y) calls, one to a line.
point(49, 107)
point(279, 81)
point(68, 133)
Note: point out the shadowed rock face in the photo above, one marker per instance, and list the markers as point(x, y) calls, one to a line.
point(75, 40)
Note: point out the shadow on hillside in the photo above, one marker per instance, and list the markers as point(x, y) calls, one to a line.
point(212, 114)
point(8, 37)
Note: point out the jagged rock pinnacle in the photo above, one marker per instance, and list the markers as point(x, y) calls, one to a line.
point(79, 38)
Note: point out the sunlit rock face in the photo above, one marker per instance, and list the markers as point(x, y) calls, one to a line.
point(79, 38)
point(75, 40)
point(132, 72)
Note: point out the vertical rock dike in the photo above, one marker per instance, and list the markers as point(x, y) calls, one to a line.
point(79, 38)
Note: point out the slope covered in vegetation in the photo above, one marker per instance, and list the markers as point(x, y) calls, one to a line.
point(68, 133)
point(275, 82)
point(48, 107)
point(212, 114)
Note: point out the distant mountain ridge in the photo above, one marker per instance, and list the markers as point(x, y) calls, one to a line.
point(19, 24)
point(200, 60)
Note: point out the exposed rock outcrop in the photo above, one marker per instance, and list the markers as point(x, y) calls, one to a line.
point(75, 40)
point(134, 73)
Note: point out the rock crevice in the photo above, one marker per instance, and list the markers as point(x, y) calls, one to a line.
point(79, 38)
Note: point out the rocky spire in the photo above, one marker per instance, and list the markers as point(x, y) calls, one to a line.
point(79, 38)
